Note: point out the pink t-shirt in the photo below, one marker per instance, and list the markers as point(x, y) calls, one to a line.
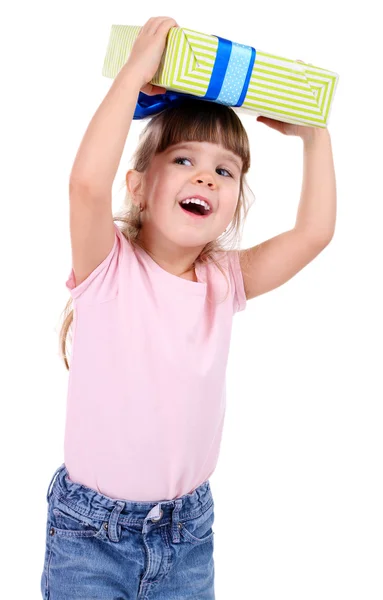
point(146, 390)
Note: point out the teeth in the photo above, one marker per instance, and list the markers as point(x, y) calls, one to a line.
point(196, 201)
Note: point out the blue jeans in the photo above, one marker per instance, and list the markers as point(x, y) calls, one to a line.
point(99, 548)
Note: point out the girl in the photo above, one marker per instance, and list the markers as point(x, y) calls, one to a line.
point(130, 511)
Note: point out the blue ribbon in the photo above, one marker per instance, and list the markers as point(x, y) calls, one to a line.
point(228, 85)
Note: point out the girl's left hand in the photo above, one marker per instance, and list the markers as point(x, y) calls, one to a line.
point(304, 132)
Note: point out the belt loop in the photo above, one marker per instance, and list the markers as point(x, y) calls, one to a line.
point(175, 520)
point(50, 485)
point(114, 530)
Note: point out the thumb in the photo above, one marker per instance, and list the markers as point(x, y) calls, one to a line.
point(152, 90)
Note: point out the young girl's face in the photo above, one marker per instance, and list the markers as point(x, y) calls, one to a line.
point(186, 170)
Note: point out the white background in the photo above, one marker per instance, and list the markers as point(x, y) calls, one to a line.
point(298, 485)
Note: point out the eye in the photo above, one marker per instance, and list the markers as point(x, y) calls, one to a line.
point(181, 158)
point(184, 158)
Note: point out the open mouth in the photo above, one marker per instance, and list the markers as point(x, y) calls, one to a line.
point(196, 210)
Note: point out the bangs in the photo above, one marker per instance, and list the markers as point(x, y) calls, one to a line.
point(197, 120)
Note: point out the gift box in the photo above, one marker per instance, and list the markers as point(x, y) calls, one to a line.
point(215, 69)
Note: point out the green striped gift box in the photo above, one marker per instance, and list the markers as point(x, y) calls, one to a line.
point(244, 78)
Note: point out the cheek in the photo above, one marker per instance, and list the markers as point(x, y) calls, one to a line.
point(168, 186)
point(229, 205)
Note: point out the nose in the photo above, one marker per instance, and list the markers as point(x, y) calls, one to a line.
point(206, 179)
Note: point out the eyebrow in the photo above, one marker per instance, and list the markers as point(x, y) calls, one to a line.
point(187, 146)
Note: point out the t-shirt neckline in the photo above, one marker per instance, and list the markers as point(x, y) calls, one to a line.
point(175, 278)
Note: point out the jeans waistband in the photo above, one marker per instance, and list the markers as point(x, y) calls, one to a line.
point(90, 503)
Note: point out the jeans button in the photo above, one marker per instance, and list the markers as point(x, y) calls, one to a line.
point(154, 520)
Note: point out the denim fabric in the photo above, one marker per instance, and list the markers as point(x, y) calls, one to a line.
point(99, 548)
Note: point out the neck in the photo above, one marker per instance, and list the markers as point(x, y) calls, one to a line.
point(178, 261)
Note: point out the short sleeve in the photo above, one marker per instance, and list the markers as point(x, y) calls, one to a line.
point(239, 294)
point(102, 284)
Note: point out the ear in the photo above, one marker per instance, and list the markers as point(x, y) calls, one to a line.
point(134, 183)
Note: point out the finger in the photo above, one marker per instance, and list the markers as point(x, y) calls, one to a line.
point(154, 23)
point(165, 22)
point(153, 90)
point(159, 90)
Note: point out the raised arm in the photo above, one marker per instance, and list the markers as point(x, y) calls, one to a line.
point(100, 151)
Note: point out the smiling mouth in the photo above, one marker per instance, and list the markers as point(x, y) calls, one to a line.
point(195, 210)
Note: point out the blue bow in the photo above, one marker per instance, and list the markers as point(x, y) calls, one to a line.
point(150, 105)
point(228, 85)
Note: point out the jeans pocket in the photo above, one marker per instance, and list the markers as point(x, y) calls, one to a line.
point(47, 549)
point(47, 556)
point(66, 522)
point(200, 529)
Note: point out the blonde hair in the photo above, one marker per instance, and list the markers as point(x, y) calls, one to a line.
point(192, 120)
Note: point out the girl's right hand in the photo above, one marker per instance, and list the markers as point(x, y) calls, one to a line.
point(147, 52)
